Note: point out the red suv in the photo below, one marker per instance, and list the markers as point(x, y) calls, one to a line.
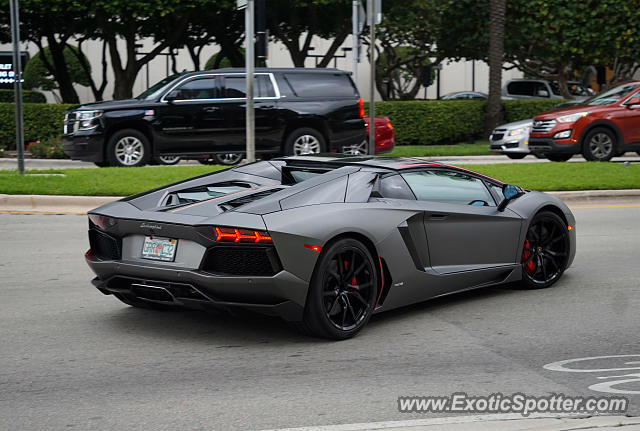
point(601, 127)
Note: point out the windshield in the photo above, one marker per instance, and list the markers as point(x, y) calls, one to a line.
point(155, 90)
point(611, 96)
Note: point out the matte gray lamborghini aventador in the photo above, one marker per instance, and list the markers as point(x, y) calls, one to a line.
point(325, 242)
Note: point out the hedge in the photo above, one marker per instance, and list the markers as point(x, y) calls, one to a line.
point(28, 96)
point(516, 110)
point(41, 120)
point(431, 122)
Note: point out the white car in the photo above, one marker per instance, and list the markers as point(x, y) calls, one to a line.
point(511, 139)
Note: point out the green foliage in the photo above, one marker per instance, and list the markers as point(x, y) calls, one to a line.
point(224, 62)
point(516, 110)
point(430, 122)
point(28, 96)
point(36, 74)
point(49, 148)
point(41, 120)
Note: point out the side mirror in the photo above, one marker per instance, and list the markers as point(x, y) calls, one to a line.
point(633, 101)
point(543, 93)
point(172, 95)
point(510, 193)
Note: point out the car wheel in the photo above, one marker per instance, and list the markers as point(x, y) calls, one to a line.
point(137, 303)
point(304, 141)
point(559, 157)
point(516, 156)
point(545, 252)
point(357, 150)
point(166, 160)
point(599, 145)
point(229, 159)
point(128, 148)
point(343, 291)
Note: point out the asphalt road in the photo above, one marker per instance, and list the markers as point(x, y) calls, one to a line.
point(71, 358)
point(6, 163)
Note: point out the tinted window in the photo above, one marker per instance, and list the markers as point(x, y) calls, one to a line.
point(157, 89)
point(520, 88)
point(236, 87)
point(448, 187)
point(321, 85)
point(202, 88)
point(612, 96)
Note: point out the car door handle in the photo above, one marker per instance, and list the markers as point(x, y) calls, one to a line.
point(211, 109)
point(438, 216)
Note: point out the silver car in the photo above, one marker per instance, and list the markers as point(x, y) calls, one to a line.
point(511, 139)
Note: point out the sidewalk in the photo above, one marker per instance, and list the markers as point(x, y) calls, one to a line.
point(498, 422)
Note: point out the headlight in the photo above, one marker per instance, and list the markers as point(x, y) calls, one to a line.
point(572, 118)
point(517, 132)
point(85, 118)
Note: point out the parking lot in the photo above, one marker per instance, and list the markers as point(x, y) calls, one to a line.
point(73, 358)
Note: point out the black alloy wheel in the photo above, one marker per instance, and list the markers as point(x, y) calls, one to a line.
point(343, 291)
point(545, 252)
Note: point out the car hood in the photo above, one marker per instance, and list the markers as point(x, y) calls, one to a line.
point(516, 124)
point(555, 113)
point(112, 104)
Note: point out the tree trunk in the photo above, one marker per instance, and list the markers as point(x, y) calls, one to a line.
point(497, 10)
point(59, 69)
point(562, 83)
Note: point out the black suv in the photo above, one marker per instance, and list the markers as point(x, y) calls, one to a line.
point(201, 115)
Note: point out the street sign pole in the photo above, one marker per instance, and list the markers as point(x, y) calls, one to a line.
point(249, 17)
point(17, 82)
point(355, 17)
point(372, 87)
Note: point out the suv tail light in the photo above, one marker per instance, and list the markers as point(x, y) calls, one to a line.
point(361, 107)
point(232, 234)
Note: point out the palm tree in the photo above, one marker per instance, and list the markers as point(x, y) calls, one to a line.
point(496, 53)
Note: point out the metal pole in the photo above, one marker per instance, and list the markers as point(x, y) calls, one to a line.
point(372, 71)
point(473, 75)
point(354, 37)
point(17, 82)
point(249, 18)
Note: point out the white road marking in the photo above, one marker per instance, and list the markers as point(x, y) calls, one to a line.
point(367, 426)
point(607, 387)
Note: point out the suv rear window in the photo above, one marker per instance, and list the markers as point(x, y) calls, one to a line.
point(321, 85)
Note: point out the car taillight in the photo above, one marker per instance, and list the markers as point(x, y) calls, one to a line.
point(390, 126)
point(361, 107)
point(103, 222)
point(232, 234)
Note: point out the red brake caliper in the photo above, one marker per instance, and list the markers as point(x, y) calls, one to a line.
point(354, 282)
point(526, 253)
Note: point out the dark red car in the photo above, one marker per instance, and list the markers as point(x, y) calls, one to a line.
point(602, 127)
point(385, 138)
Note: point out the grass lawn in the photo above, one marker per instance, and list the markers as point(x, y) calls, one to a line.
point(480, 148)
point(126, 181)
point(98, 182)
point(564, 176)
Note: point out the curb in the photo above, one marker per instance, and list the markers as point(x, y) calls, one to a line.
point(52, 204)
